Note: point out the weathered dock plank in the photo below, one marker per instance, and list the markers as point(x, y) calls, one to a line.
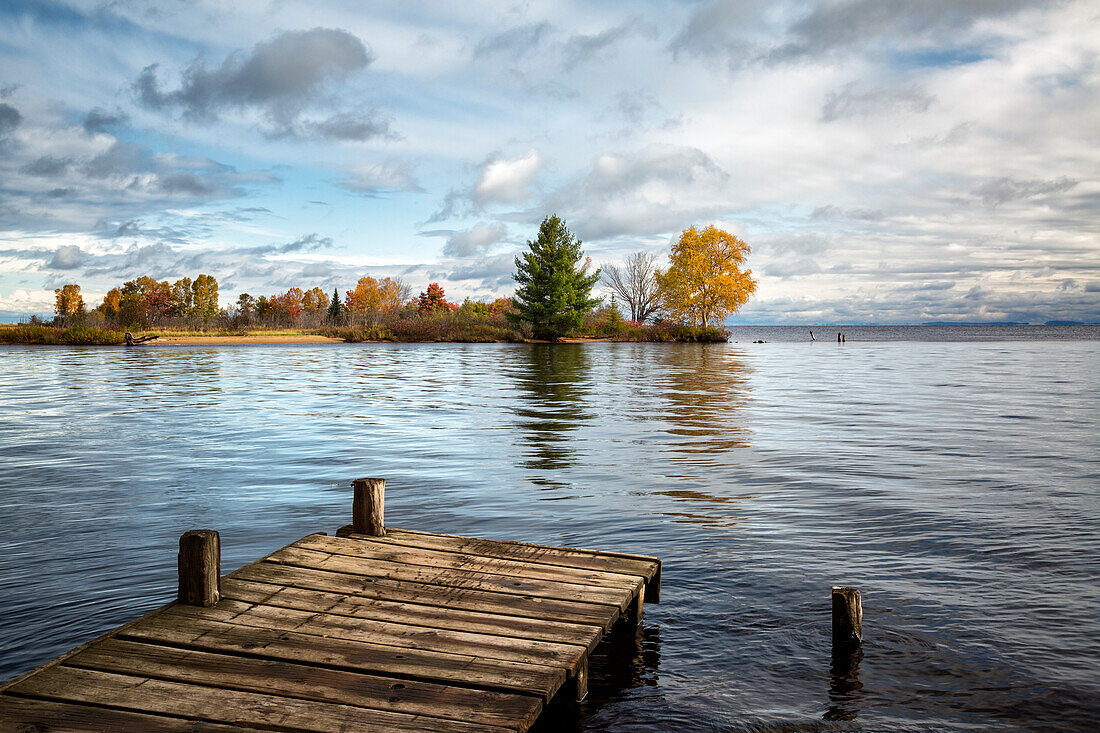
point(330, 626)
point(348, 655)
point(646, 567)
point(47, 716)
point(385, 548)
point(308, 683)
point(345, 604)
point(375, 630)
point(576, 612)
point(469, 579)
point(220, 704)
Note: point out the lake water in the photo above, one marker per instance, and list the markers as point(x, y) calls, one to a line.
point(953, 478)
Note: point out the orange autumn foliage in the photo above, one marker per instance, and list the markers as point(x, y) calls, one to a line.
point(384, 295)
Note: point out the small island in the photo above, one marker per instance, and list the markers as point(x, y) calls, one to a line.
point(553, 302)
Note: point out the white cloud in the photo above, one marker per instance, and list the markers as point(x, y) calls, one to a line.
point(660, 188)
point(387, 176)
point(22, 302)
point(507, 180)
point(477, 240)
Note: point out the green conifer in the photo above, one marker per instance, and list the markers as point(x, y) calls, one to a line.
point(553, 293)
point(335, 314)
point(614, 316)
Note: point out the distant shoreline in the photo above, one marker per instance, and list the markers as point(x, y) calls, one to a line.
point(242, 340)
point(16, 335)
point(246, 340)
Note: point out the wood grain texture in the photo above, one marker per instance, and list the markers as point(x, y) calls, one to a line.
point(382, 588)
point(200, 561)
point(847, 618)
point(354, 656)
point(329, 626)
point(383, 548)
point(368, 506)
point(46, 716)
point(436, 617)
point(311, 683)
point(220, 705)
point(646, 566)
point(468, 579)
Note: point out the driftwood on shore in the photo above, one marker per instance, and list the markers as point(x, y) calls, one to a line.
point(131, 341)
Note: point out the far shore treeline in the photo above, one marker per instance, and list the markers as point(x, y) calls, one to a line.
point(688, 300)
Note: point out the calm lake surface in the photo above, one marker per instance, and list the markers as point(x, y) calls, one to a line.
point(952, 477)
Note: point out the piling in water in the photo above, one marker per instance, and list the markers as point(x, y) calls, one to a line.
point(847, 618)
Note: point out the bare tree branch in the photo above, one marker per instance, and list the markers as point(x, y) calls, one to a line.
point(635, 283)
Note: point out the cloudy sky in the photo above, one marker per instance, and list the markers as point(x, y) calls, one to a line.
point(888, 161)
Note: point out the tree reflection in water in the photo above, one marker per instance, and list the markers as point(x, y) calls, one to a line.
point(555, 384)
point(704, 390)
point(706, 393)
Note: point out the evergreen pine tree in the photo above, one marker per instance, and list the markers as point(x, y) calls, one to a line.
point(335, 314)
point(614, 316)
point(553, 293)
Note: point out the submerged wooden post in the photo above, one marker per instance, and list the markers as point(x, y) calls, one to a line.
point(847, 618)
point(368, 505)
point(200, 564)
point(580, 680)
point(636, 608)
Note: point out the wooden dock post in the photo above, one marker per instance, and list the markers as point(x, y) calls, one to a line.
point(847, 618)
point(200, 565)
point(636, 608)
point(580, 680)
point(368, 507)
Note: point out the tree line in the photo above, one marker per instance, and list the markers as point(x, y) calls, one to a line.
point(145, 303)
point(702, 284)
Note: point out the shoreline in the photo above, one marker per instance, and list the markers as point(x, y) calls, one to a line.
point(245, 340)
point(242, 340)
point(48, 335)
point(238, 340)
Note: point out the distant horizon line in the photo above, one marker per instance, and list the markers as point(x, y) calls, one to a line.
point(925, 323)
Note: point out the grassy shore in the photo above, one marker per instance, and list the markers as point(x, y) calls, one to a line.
point(417, 330)
point(31, 333)
point(427, 331)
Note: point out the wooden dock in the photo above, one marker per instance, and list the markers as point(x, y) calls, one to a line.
point(375, 629)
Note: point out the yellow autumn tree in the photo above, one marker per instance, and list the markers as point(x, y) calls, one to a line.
point(376, 295)
point(314, 300)
point(111, 305)
point(204, 298)
point(68, 301)
point(704, 282)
